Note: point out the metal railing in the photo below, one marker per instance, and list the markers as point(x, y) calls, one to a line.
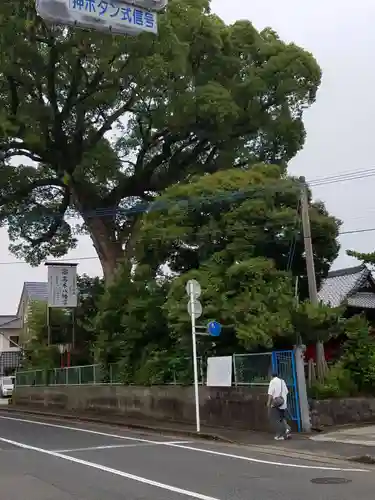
point(252, 369)
point(96, 374)
point(248, 370)
point(74, 375)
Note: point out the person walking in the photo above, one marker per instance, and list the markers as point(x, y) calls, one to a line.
point(277, 407)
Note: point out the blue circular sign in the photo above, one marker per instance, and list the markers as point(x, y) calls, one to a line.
point(214, 328)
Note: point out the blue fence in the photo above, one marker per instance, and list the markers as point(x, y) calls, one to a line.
point(283, 362)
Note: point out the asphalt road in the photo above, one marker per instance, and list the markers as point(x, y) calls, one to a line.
point(46, 459)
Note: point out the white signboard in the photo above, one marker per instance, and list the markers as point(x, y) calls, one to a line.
point(219, 371)
point(62, 286)
point(113, 17)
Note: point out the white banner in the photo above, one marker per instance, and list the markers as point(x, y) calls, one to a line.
point(62, 286)
point(219, 371)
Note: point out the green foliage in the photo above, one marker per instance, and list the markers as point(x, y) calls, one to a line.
point(90, 292)
point(38, 353)
point(235, 215)
point(354, 373)
point(317, 323)
point(359, 355)
point(35, 334)
point(201, 97)
point(251, 299)
point(337, 384)
point(367, 258)
point(130, 324)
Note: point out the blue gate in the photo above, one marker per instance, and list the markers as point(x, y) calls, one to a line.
point(283, 363)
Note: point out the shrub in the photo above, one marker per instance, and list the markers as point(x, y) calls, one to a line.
point(337, 384)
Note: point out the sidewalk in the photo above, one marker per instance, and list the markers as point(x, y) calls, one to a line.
point(355, 443)
point(363, 436)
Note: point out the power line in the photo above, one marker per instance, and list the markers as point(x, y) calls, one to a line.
point(157, 205)
point(95, 257)
point(355, 231)
point(342, 177)
point(20, 262)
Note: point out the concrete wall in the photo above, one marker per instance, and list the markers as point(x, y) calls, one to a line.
point(243, 408)
point(332, 412)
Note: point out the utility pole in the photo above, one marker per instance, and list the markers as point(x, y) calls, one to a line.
point(321, 364)
point(310, 267)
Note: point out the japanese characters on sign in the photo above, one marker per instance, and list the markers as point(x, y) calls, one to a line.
point(62, 286)
point(104, 15)
point(118, 13)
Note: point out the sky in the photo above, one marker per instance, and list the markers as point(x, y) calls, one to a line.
point(340, 133)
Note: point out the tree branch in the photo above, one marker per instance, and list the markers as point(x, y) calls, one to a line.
point(14, 99)
point(107, 125)
point(55, 225)
point(76, 79)
point(51, 79)
point(24, 191)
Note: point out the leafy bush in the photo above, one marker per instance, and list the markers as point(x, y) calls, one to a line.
point(337, 384)
point(355, 372)
point(359, 355)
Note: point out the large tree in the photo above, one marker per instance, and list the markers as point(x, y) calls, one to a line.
point(96, 125)
point(234, 215)
point(239, 234)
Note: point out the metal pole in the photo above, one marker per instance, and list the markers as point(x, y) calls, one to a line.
point(48, 325)
point(234, 369)
point(195, 364)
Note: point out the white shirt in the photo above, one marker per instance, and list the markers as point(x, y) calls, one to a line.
point(278, 388)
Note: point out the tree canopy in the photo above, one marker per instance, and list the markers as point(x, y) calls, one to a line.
point(232, 216)
point(366, 258)
point(96, 126)
point(237, 233)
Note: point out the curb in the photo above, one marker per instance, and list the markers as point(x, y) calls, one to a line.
point(204, 436)
point(363, 459)
point(130, 425)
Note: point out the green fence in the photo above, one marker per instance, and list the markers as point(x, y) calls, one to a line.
point(74, 375)
point(248, 369)
point(96, 374)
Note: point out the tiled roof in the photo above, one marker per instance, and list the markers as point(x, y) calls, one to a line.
point(5, 320)
point(14, 323)
point(36, 290)
point(363, 300)
point(338, 285)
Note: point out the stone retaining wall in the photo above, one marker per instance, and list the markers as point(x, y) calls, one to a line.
point(235, 407)
point(242, 408)
point(334, 412)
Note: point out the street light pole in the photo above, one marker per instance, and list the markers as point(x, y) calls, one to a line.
point(195, 362)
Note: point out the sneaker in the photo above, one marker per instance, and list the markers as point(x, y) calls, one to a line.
point(279, 438)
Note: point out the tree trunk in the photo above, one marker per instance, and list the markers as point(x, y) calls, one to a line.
point(109, 249)
point(321, 363)
point(101, 230)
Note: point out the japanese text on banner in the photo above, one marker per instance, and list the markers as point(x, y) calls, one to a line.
point(119, 13)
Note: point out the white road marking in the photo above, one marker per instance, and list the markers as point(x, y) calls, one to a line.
point(110, 446)
point(184, 447)
point(266, 462)
point(93, 465)
point(79, 429)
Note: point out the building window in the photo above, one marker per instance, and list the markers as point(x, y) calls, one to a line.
point(14, 341)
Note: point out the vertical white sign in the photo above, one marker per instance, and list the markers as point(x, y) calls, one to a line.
point(219, 371)
point(62, 286)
